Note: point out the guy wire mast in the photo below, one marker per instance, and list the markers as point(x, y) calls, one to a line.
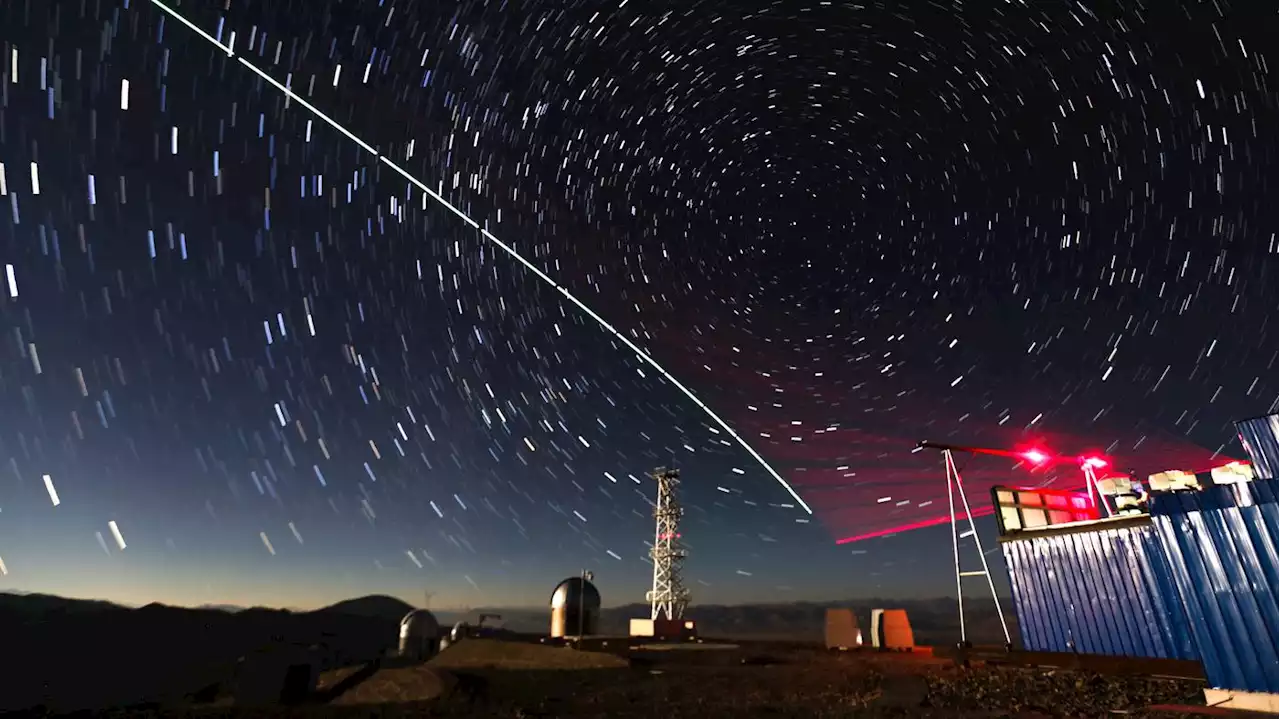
point(668, 598)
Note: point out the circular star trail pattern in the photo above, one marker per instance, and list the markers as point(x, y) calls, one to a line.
point(230, 331)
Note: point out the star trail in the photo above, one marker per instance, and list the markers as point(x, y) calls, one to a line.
point(316, 299)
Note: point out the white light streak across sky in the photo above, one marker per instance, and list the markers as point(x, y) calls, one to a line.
point(509, 250)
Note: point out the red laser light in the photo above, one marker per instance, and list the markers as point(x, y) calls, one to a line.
point(978, 511)
point(1035, 456)
point(852, 515)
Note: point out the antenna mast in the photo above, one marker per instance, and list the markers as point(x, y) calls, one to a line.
point(668, 598)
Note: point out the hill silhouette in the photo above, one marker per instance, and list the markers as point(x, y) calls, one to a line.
point(34, 606)
point(374, 606)
point(70, 654)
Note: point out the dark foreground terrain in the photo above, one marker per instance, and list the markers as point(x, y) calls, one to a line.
point(70, 654)
point(70, 657)
point(492, 678)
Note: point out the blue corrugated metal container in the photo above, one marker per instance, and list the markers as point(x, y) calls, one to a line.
point(1100, 589)
point(1261, 439)
point(1221, 545)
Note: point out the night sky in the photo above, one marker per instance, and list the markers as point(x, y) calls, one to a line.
point(258, 359)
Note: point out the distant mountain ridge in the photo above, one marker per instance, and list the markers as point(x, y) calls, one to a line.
point(222, 607)
point(37, 605)
point(934, 620)
point(161, 653)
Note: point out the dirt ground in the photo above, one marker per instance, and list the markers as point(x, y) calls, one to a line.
point(504, 679)
point(516, 680)
point(753, 681)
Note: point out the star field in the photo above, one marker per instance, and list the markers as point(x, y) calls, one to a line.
point(264, 318)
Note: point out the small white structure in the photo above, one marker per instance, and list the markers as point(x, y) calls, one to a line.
point(1233, 473)
point(660, 628)
point(1174, 480)
point(842, 631)
point(1127, 494)
point(891, 629)
point(419, 635)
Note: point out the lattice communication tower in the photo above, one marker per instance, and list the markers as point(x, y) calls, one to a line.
point(668, 598)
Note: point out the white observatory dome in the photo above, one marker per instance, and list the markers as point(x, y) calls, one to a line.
point(419, 634)
point(419, 623)
point(575, 608)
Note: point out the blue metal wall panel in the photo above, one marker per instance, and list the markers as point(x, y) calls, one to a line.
point(1261, 439)
point(1221, 545)
point(1097, 592)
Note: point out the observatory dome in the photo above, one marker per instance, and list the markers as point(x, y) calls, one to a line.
point(420, 623)
point(575, 592)
point(575, 608)
point(419, 634)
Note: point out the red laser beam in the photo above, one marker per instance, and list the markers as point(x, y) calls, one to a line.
point(982, 511)
point(848, 451)
point(1035, 456)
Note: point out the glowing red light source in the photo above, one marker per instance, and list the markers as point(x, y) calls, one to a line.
point(1035, 456)
point(1095, 462)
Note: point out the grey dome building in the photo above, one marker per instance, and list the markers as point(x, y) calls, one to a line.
point(419, 635)
point(575, 608)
